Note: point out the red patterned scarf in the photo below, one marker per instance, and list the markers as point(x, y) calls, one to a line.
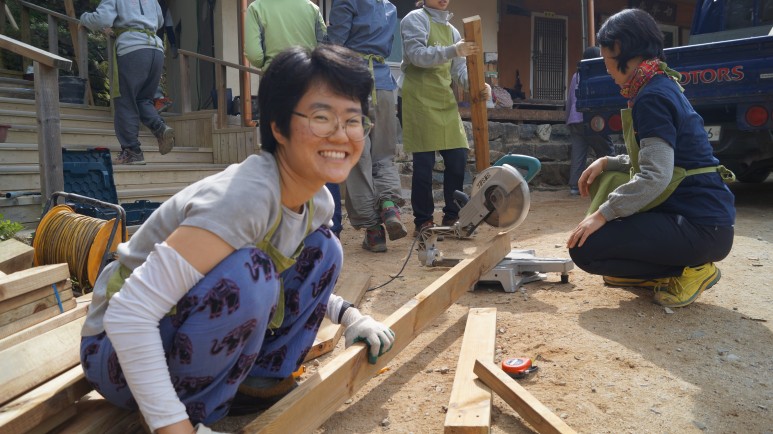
point(641, 76)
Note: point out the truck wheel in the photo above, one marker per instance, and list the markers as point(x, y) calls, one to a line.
point(754, 176)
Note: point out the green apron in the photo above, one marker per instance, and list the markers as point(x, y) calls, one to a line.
point(281, 263)
point(370, 58)
point(431, 119)
point(607, 182)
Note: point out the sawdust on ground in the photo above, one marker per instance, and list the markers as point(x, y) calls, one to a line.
point(610, 361)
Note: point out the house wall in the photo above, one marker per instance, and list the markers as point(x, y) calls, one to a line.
point(514, 37)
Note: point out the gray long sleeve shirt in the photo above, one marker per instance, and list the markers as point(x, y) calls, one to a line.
point(414, 29)
point(656, 162)
point(123, 14)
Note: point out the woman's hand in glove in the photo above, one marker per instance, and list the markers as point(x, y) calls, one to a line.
point(464, 49)
point(363, 328)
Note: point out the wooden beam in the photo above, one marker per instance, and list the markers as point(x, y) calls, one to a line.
point(81, 308)
point(185, 80)
point(473, 33)
point(21, 312)
point(328, 335)
point(22, 282)
point(318, 397)
point(534, 412)
point(469, 409)
point(44, 402)
point(33, 296)
point(37, 360)
point(11, 329)
point(15, 256)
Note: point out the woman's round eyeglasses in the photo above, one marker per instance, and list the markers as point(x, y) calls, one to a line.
point(325, 123)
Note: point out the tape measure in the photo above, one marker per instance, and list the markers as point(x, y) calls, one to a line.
point(518, 367)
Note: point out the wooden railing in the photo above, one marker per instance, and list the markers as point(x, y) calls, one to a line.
point(220, 73)
point(47, 111)
point(78, 34)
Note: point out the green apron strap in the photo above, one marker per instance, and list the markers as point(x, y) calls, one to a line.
point(370, 58)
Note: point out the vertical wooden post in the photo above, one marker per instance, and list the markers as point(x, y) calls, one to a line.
point(472, 33)
point(244, 77)
point(222, 114)
point(49, 129)
point(25, 35)
point(111, 66)
point(2, 28)
point(185, 80)
point(53, 35)
point(79, 37)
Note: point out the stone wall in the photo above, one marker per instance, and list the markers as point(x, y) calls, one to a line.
point(550, 143)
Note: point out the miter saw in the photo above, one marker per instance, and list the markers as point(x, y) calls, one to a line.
point(500, 198)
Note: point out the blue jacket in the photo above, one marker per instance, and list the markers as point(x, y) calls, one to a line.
point(367, 27)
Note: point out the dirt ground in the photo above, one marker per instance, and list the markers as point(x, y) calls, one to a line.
point(610, 361)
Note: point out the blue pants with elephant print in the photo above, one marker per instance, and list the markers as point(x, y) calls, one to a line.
point(218, 333)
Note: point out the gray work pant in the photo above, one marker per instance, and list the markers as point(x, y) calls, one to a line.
point(582, 139)
point(138, 75)
point(375, 179)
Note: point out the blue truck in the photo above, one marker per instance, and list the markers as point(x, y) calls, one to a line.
point(727, 74)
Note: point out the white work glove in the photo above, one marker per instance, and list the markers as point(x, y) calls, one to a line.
point(363, 328)
point(201, 429)
point(464, 49)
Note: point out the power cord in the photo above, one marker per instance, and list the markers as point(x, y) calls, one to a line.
point(410, 252)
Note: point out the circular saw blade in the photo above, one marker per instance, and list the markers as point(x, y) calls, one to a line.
point(510, 209)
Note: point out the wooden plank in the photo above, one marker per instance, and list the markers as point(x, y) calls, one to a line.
point(37, 360)
point(316, 399)
point(15, 256)
point(352, 290)
point(469, 409)
point(49, 129)
point(36, 318)
point(31, 279)
point(44, 402)
point(32, 296)
point(473, 33)
point(534, 412)
point(95, 416)
point(71, 314)
point(21, 312)
point(54, 421)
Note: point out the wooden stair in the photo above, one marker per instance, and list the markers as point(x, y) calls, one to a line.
point(84, 127)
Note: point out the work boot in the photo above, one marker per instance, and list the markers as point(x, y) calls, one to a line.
point(684, 289)
point(259, 393)
point(450, 220)
point(426, 225)
point(624, 282)
point(165, 136)
point(127, 156)
point(375, 239)
point(390, 215)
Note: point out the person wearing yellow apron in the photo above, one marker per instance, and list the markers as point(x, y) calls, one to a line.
point(373, 191)
point(662, 215)
point(433, 56)
point(138, 63)
point(217, 298)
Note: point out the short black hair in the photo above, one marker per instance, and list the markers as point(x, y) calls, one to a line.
point(638, 35)
point(293, 71)
point(591, 52)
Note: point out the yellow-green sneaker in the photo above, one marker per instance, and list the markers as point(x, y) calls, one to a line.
point(624, 282)
point(684, 289)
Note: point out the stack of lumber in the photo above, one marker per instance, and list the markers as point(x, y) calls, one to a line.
point(40, 322)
